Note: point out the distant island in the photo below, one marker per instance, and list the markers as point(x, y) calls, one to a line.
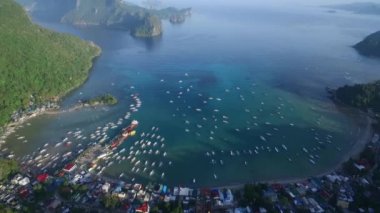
point(141, 22)
point(363, 96)
point(370, 46)
point(359, 7)
point(106, 99)
point(37, 66)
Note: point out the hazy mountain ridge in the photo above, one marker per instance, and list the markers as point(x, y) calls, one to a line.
point(139, 21)
point(369, 8)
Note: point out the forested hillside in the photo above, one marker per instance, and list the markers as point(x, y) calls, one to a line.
point(361, 95)
point(370, 46)
point(36, 64)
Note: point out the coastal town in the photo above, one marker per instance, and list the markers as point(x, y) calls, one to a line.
point(353, 188)
point(72, 181)
point(236, 118)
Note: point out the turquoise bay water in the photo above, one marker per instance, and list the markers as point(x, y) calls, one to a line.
point(221, 87)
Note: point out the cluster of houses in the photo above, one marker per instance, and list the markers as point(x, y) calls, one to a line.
point(318, 194)
point(330, 193)
point(12, 192)
point(33, 110)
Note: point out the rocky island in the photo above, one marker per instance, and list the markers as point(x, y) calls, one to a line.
point(370, 46)
point(106, 99)
point(139, 21)
point(174, 15)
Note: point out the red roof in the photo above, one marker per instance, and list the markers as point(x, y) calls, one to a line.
point(143, 208)
point(69, 166)
point(42, 177)
point(61, 174)
point(23, 192)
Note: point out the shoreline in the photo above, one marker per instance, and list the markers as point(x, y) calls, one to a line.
point(365, 135)
point(364, 138)
point(355, 150)
point(12, 126)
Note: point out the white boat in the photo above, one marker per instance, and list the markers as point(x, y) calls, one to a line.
point(283, 146)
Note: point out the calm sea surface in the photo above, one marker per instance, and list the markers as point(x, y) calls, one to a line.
point(237, 94)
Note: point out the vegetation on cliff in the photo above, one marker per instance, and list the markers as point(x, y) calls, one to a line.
point(37, 65)
point(115, 14)
point(150, 27)
point(174, 15)
point(362, 96)
point(106, 99)
point(119, 14)
point(370, 46)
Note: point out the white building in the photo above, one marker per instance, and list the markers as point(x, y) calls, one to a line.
point(106, 187)
point(25, 181)
point(16, 179)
